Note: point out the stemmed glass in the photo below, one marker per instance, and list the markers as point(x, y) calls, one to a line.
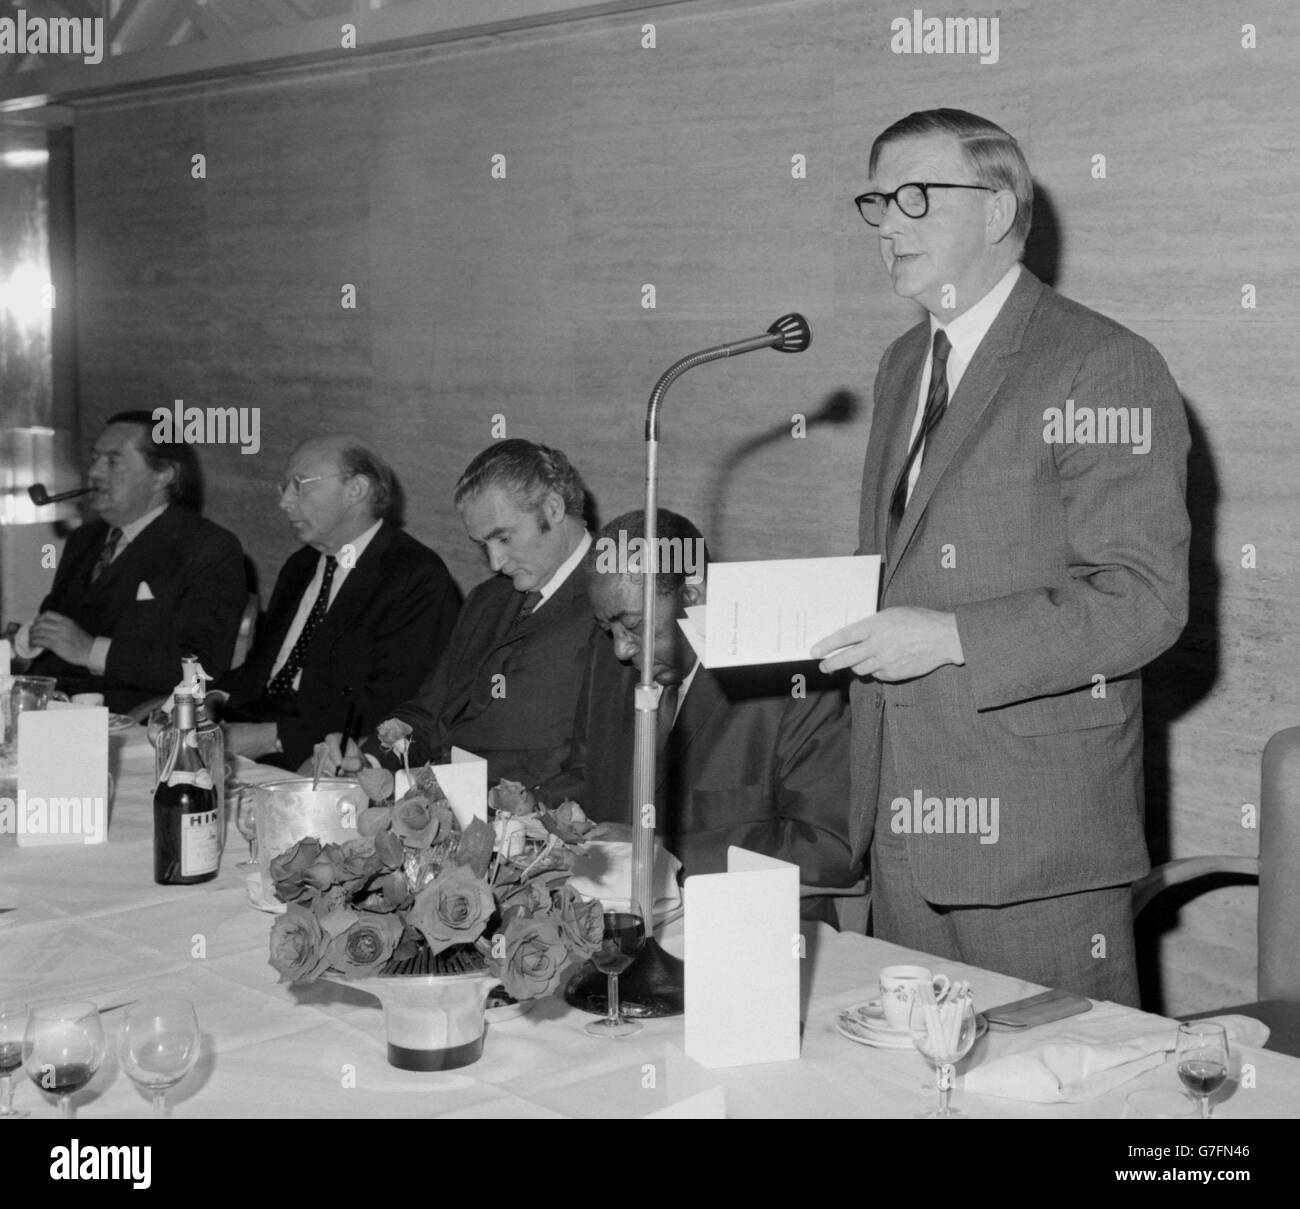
point(246, 821)
point(1202, 1059)
point(62, 1049)
point(13, 1022)
point(943, 1033)
point(159, 1046)
point(623, 939)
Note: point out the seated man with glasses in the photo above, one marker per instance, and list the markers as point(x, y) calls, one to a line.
point(357, 618)
point(147, 581)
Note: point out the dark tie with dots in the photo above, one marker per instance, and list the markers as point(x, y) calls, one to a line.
point(106, 554)
point(282, 683)
point(529, 606)
point(936, 402)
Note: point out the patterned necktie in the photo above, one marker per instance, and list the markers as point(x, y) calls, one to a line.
point(282, 683)
point(936, 401)
point(529, 605)
point(667, 715)
point(106, 554)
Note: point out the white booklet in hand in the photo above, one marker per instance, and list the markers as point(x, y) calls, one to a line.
point(774, 610)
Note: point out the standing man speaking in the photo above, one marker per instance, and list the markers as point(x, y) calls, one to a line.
point(1025, 486)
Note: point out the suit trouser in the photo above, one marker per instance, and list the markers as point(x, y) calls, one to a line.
point(1081, 942)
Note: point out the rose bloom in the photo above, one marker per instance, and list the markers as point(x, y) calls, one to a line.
point(366, 946)
point(582, 921)
point(373, 820)
point(512, 797)
point(298, 946)
point(534, 956)
point(452, 909)
point(292, 871)
point(394, 735)
point(418, 821)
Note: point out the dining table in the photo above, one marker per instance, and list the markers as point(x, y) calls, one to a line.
point(87, 921)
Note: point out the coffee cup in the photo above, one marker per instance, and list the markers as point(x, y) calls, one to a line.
point(898, 988)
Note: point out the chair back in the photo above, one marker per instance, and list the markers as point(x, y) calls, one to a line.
point(1279, 867)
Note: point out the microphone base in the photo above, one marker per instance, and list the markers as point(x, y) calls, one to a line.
point(650, 988)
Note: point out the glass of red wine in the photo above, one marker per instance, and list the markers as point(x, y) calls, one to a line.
point(13, 1024)
point(623, 939)
point(1202, 1060)
point(63, 1046)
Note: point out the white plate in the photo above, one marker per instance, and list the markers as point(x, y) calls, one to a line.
point(864, 1023)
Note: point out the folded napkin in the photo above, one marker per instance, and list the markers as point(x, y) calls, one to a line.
point(1087, 1056)
point(604, 870)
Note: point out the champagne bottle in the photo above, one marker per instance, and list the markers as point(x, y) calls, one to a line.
point(186, 827)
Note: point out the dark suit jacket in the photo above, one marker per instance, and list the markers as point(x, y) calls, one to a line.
point(1063, 562)
point(503, 691)
point(386, 627)
point(195, 573)
point(746, 763)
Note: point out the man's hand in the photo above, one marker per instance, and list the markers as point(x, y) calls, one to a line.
point(63, 636)
point(251, 739)
point(895, 644)
point(333, 760)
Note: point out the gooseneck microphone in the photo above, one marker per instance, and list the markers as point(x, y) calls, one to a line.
point(40, 497)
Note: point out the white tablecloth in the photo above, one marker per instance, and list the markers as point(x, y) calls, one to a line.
point(90, 922)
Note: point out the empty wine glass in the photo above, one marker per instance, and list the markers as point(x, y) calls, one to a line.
point(1202, 1060)
point(13, 1023)
point(159, 1046)
point(623, 939)
point(63, 1046)
point(246, 821)
point(943, 1033)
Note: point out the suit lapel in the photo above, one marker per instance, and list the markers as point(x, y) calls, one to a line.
point(897, 420)
point(358, 589)
point(979, 387)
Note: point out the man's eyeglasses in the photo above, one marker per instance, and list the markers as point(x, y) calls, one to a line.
point(912, 199)
point(295, 484)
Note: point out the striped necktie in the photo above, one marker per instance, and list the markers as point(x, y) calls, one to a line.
point(936, 402)
point(106, 553)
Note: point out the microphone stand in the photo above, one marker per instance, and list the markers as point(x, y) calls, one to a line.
point(653, 985)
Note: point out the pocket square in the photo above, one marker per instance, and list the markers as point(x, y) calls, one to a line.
point(142, 592)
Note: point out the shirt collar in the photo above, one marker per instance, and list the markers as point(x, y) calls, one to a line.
point(358, 545)
point(566, 568)
point(969, 328)
point(133, 530)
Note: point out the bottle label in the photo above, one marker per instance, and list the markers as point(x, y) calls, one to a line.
point(200, 843)
point(181, 776)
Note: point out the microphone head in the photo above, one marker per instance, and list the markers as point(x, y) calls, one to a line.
point(794, 331)
point(38, 495)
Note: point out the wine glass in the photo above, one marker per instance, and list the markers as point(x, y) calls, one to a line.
point(62, 1048)
point(943, 1033)
point(1202, 1060)
point(622, 941)
point(13, 1023)
point(159, 1046)
point(246, 821)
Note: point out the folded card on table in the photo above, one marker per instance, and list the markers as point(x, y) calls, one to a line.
point(742, 949)
point(464, 781)
point(603, 869)
point(63, 776)
point(772, 611)
point(1084, 1057)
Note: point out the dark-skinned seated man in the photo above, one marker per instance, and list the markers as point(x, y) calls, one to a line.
point(145, 583)
point(748, 756)
point(507, 685)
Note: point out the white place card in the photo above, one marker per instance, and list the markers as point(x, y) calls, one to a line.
point(62, 777)
point(464, 781)
point(742, 952)
point(772, 611)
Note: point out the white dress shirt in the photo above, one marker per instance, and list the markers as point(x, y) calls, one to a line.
point(564, 570)
point(965, 333)
point(341, 572)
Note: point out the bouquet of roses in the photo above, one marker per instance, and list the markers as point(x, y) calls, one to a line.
point(417, 893)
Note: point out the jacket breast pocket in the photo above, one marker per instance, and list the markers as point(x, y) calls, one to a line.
point(1079, 710)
